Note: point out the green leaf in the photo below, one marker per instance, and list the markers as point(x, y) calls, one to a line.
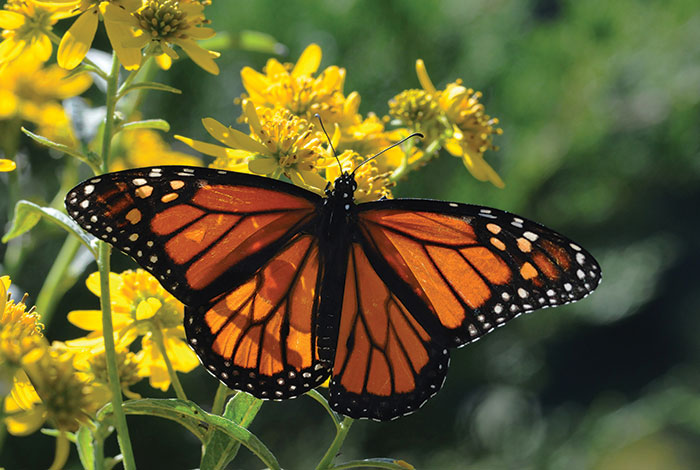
point(197, 421)
point(65, 149)
point(242, 408)
point(149, 86)
point(55, 433)
point(219, 448)
point(86, 450)
point(158, 124)
point(28, 214)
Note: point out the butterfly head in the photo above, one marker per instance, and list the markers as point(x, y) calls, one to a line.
point(344, 187)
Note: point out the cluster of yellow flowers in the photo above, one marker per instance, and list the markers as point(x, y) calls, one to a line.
point(282, 106)
point(65, 383)
point(31, 90)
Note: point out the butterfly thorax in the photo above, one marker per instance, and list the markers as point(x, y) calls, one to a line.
point(334, 237)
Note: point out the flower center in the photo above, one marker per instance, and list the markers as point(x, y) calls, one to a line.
point(291, 140)
point(163, 19)
point(37, 21)
point(414, 107)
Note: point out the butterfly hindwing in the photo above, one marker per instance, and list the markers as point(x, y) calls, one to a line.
point(386, 364)
point(463, 270)
point(200, 231)
point(260, 336)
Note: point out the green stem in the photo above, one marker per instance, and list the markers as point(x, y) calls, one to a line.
point(62, 451)
point(57, 282)
point(111, 358)
point(98, 451)
point(327, 461)
point(103, 264)
point(222, 393)
point(107, 131)
point(405, 167)
point(157, 336)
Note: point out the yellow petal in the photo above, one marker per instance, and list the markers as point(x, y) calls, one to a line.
point(41, 48)
point(423, 77)
point(308, 62)
point(93, 283)
point(25, 406)
point(119, 32)
point(252, 115)
point(254, 83)
point(6, 165)
point(11, 49)
point(199, 55)
point(147, 308)
point(180, 354)
point(454, 147)
point(262, 166)
point(10, 19)
point(481, 170)
point(91, 320)
point(77, 40)
point(203, 147)
point(273, 68)
point(201, 33)
point(352, 104)
point(333, 78)
point(313, 180)
point(164, 61)
point(232, 137)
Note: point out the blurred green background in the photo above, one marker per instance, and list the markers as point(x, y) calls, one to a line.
point(599, 103)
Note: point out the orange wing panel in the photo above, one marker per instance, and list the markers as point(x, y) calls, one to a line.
point(174, 218)
point(263, 330)
point(246, 199)
point(385, 361)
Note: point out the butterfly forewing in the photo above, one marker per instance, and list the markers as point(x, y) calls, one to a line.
point(200, 231)
point(463, 270)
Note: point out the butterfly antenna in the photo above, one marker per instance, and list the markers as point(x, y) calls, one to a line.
point(415, 134)
point(330, 142)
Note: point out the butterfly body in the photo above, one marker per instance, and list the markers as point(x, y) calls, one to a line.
point(284, 288)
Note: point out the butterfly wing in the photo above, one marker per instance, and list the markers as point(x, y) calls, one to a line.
point(260, 336)
point(200, 231)
point(424, 276)
point(462, 270)
point(386, 364)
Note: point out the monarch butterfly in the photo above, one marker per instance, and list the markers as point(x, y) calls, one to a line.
point(284, 288)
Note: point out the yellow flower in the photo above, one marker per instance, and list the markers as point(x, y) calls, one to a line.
point(51, 390)
point(90, 359)
point(116, 15)
point(164, 23)
point(145, 147)
point(472, 130)
point(26, 26)
point(281, 143)
point(20, 332)
point(140, 307)
point(295, 88)
point(30, 91)
point(7, 165)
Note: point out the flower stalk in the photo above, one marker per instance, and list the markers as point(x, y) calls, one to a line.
point(103, 263)
point(342, 431)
